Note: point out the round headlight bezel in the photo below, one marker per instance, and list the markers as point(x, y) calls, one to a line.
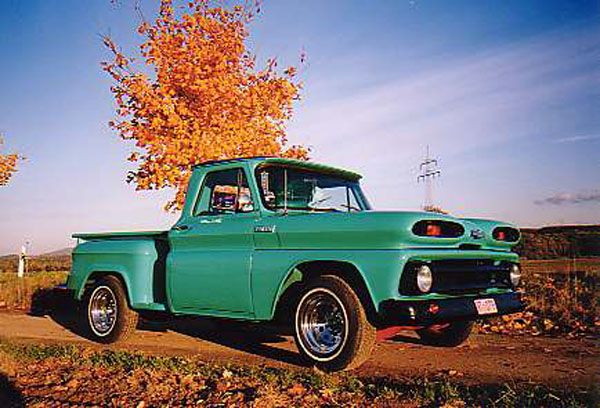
point(515, 275)
point(424, 278)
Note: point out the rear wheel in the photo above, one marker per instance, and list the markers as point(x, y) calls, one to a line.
point(108, 318)
point(449, 335)
point(331, 327)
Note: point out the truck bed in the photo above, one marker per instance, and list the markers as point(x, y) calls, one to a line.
point(138, 257)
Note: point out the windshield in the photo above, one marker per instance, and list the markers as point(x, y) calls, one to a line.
point(308, 190)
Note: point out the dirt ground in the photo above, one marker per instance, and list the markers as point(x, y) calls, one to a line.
point(482, 359)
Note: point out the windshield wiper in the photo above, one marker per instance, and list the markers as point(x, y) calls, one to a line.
point(350, 207)
point(322, 200)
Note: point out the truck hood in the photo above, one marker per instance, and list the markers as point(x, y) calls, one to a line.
point(381, 230)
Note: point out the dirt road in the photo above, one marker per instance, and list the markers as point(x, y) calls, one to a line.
point(484, 358)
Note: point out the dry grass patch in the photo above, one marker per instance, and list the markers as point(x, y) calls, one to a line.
point(19, 293)
point(75, 375)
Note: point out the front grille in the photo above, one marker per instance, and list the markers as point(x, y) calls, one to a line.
point(458, 276)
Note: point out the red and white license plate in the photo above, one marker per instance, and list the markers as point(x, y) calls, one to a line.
point(486, 306)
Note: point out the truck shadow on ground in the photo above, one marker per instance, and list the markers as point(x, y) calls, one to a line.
point(253, 338)
point(54, 304)
point(260, 339)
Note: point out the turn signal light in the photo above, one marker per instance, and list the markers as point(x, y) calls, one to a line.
point(506, 234)
point(438, 229)
point(433, 230)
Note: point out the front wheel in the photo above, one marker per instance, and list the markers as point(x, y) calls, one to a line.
point(331, 328)
point(108, 318)
point(448, 335)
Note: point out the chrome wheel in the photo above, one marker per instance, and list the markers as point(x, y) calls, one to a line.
point(102, 310)
point(321, 324)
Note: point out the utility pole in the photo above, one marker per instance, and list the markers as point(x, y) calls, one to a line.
point(22, 260)
point(428, 171)
point(21, 273)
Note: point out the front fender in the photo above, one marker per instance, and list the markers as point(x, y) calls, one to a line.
point(274, 270)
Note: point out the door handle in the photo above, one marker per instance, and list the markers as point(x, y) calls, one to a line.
point(215, 221)
point(181, 227)
point(265, 228)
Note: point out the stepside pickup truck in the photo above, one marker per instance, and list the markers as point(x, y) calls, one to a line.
point(266, 239)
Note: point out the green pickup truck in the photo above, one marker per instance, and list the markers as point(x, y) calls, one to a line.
point(271, 239)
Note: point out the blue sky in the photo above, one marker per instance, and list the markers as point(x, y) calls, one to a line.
point(507, 94)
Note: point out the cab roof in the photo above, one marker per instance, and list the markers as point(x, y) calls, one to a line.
point(263, 160)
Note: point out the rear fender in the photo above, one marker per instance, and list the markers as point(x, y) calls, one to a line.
point(135, 262)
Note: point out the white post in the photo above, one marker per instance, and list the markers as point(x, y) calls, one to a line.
point(22, 255)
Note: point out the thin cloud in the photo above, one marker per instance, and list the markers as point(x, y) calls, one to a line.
point(461, 105)
point(569, 198)
point(464, 104)
point(574, 139)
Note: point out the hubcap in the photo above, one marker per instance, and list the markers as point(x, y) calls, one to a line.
point(321, 323)
point(102, 310)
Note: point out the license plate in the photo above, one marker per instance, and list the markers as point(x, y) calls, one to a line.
point(486, 306)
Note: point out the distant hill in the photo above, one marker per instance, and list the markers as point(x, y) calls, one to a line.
point(560, 241)
point(59, 260)
point(58, 252)
point(51, 254)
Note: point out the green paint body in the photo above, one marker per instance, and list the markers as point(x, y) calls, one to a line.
point(223, 266)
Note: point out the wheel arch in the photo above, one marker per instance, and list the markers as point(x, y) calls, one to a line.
point(98, 274)
point(302, 272)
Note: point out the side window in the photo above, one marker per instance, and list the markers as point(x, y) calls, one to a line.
point(224, 192)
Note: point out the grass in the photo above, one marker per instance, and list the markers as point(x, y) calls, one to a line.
point(565, 266)
point(557, 304)
point(19, 293)
point(252, 385)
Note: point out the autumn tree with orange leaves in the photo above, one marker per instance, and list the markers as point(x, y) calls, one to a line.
point(8, 165)
point(203, 97)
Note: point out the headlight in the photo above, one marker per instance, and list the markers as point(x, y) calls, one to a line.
point(424, 278)
point(515, 274)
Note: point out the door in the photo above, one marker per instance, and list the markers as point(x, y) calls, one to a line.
point(210, 261)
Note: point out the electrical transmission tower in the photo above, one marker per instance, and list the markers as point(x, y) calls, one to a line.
point(428, 171)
